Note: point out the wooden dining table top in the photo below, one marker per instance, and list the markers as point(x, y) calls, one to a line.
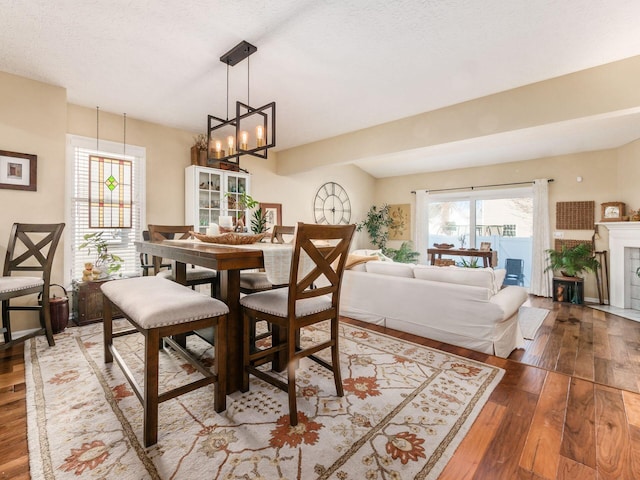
point(218, 257)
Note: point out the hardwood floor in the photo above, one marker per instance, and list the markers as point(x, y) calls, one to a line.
point(567, 407)
point(585, 343)
point(14, 456)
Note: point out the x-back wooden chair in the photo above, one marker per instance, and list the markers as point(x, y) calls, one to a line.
point(31, 248)
point(299, 305)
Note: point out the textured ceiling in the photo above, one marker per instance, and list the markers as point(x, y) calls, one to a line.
point(332, 66)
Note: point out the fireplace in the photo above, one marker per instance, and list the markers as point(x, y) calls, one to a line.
point(624, 254)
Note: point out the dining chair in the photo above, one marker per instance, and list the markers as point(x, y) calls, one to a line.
point(195, 275)
point(515, 275)
point(252, 282)
point(145, 262)
point(319, 252)
point(31, 248)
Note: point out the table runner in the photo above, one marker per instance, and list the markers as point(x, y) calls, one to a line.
point(276, 257)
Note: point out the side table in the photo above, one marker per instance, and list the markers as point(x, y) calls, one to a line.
point(87, 302)
point(568, 290)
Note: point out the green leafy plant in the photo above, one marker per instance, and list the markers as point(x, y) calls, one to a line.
point(104, 262)
point(404, 254)
point(572, 261)
point(377, 225)
point(471, 263)
point(259, 221)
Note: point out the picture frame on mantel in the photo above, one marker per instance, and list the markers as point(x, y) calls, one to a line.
point(612, 211)
point(18, 171)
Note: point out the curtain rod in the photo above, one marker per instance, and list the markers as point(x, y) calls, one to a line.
point(481, 186)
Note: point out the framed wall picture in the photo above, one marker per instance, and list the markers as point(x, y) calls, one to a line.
point(273, 214)
point(18, 171)
point(400, 228)
point(612, 211)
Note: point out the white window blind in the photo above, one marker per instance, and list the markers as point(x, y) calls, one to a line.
point(120, 241)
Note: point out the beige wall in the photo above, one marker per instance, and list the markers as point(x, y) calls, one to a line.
point(33, 120)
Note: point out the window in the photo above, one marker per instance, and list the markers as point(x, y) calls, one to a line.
point(121, 240)
point(503, 218)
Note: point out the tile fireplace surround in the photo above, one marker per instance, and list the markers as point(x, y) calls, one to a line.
point(624, 242)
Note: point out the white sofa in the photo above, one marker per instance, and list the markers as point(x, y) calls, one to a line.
point(460, 306)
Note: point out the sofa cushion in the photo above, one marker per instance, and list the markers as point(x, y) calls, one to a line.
point(356, 260)
point(393, 269)
point(478, 277)
point(378, 253)
point(500, 273)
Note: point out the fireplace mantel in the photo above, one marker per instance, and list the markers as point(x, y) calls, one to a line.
point(622, 236)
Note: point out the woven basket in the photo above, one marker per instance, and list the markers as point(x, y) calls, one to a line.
point(229, 238)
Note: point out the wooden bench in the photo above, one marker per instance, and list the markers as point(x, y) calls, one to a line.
point(159, 308)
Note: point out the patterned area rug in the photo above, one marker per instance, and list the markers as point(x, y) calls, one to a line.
point(405, 410)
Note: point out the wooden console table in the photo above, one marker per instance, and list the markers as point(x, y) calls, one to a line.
point(489, 257)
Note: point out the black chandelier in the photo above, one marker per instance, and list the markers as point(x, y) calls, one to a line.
point(252, 131)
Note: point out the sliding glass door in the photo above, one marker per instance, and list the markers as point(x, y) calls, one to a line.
point(503, 218)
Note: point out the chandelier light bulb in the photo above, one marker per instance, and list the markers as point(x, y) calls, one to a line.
point(244, 140)
point(231, 143)
point(219, 153)
point(260, 135)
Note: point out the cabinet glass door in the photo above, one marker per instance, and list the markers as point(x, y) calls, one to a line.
point(209, 199)
point(236, 186)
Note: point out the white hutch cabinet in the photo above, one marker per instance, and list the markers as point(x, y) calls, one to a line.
point(206, 198)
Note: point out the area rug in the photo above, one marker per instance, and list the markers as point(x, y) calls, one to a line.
point(530, 320)
point(406, 409)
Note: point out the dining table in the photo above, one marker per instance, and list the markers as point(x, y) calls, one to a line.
point(228, 261)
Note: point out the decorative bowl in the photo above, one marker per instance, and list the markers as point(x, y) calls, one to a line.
point(443, 246)
point(229, 238)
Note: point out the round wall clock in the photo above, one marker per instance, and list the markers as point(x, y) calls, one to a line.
point(331, 205)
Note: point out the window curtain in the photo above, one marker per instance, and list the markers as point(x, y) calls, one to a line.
point(421, 224)
point(540, 280)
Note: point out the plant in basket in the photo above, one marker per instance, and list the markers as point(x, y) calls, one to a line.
point(105, 263)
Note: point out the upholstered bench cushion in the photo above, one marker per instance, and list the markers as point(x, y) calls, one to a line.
point(154, 302)
point(254, 281)
point(274, 302)
point(15, 284)
point(197, 273)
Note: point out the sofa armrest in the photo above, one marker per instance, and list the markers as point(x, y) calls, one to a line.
point(509, 299)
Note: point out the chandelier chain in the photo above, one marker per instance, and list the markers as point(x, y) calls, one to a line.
point(124, 135)
point(97, 128)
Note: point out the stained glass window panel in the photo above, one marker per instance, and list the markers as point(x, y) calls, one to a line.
point(110, 195)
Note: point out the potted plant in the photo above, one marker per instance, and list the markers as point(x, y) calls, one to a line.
point(199, 150)
point(572, 261)
point(105, 263)
point(377, 225)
